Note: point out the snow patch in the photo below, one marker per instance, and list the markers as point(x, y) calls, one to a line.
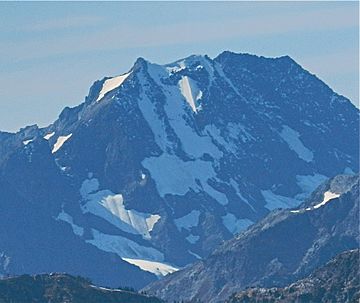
point(193, 143)
point(171, 174)
point(190, 91)
point(229, 144)
point(157, 268)
point(89, 186)
point(107, 289)
point(124, 247)
point(308, 183)
point(236, 186)
point(176, 68)
point(291, 137)
point(26, 142)
point(231, 136)
point(59, 142)
point(235, 225)
point(155, 122)
point(194, 254)
point(111, 84)
point(177, 177)
point(63, 216)
point(49, 135)
point(110, 206)
point(274, 201)
point(188, 221)
point(348, 171)
point(328, 196)
point(151, 221)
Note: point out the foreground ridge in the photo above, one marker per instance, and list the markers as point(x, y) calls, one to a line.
point(60, 288)
point(337, 282)
point(280, 249)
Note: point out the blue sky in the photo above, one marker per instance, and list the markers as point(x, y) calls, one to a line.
point(51, 52)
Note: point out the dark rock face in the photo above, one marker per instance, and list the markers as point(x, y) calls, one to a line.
point(60, 288)
point(283, 247)
point(164, 163)
point(337, 281)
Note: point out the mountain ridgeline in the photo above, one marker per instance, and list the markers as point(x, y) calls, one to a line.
point(337, 281)
point(160, 165)
point(285, 246)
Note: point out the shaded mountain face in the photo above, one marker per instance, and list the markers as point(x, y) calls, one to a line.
point(60, 288)
point(337, 281)
point(283, 247)
point(160, 165)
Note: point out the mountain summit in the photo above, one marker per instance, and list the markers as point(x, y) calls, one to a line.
point(161, 164)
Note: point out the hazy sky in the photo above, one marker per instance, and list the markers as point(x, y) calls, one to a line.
point(51, 52)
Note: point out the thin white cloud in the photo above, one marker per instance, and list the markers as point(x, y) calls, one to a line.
point(69, 22)
point(131, 36)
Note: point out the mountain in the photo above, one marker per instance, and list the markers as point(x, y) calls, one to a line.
point(337, 281)
point(285, 246)
point(160, 165)
point(60, 288)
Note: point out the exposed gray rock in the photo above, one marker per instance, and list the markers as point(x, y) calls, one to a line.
point(338, 282)
point(285, 246)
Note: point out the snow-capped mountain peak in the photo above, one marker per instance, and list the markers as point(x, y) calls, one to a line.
point(161, 164)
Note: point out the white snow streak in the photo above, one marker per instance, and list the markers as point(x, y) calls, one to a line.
point(110, 206)
point(194, 254)
point(174, 176)
point(190, 92)
point(124, 247)
point(328, 196)
point(291, 137)
point(59, 142)
point(157, 268)
point(107, 289)
point(188, 221)
point(77, 230)
point(111, 84)
point(49, 135)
